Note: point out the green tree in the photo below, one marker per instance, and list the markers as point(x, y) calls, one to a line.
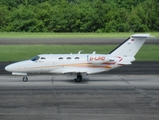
point(4, 13)
point(79, 15)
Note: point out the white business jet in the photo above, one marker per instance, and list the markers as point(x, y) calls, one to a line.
point(80, 64)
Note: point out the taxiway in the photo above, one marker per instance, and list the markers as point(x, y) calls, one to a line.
point(97, 97)
point(61, 41)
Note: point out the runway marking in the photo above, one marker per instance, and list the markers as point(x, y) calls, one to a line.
point(57, 99)
point(154, 103)
point(124, 79)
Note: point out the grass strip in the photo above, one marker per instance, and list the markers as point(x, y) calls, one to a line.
point(69, 35)
point(23, 52)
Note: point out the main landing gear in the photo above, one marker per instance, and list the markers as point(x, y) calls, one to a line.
point(25, 79)
point(79, 78)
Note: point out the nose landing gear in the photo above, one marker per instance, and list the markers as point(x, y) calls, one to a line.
point(25, 79)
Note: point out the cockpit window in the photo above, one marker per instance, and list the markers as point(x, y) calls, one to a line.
point(35, 58)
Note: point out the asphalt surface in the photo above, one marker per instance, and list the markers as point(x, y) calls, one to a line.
point(104, 97)
point(10, 41)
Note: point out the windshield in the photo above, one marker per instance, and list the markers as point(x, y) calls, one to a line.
point(35, 58)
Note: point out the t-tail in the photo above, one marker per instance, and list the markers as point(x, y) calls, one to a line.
point(130, 46)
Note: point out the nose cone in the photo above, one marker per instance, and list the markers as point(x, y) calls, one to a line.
point(10, 68)
point(17, 67)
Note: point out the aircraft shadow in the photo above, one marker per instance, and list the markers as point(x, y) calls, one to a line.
point(68, 80)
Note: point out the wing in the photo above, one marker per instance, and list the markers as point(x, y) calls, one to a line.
point(69, 70)
point(82, 70)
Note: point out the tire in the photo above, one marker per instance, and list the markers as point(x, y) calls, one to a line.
point(25, 79)
point(79, 78)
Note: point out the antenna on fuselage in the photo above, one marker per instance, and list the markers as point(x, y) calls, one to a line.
point(80, 51)
point(94, 52)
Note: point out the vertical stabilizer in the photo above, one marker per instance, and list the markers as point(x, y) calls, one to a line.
point(131, 45)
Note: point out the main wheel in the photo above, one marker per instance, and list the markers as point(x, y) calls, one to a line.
point(79, 78)
point(25, 79)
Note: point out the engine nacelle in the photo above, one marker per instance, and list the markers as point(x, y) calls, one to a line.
point(98, 58)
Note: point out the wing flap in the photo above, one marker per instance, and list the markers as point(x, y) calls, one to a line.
point(70, 70)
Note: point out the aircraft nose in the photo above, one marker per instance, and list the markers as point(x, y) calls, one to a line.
point(9, 68)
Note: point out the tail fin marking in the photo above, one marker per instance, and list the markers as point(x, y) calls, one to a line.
point(131, 45)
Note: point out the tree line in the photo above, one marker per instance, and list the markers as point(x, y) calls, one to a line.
point(79, 15)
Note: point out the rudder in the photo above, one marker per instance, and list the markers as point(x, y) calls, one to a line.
point(130, 46)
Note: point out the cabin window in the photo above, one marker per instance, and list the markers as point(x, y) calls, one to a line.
point(77, 58)
point(60, 58)
point(68, 58)
point(36, 58)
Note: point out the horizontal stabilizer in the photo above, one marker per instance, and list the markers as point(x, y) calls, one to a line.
point(124, 63)
point(140, 36)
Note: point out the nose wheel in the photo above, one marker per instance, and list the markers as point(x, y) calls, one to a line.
point(79, 78)
point(25, 79)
